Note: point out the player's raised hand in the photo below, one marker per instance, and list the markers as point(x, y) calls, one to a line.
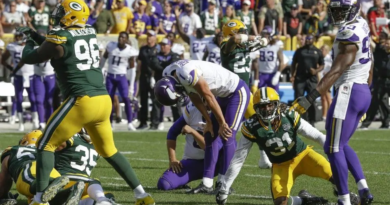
point(177, 11)
point(224, 131)
point(176, 166)
point(300, 105)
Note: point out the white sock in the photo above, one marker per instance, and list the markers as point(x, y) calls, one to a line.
point(139, 192)
point(220, 178)
point(87, 201)
point(38, 197)
point(362, 184)
point(295, 200)
point(95, 191)
point(345, 199)
point(208, 182)
point(20, 116)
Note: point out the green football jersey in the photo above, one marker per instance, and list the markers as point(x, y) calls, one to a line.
point(40, 20)
point(19, 156)
point(237, 61)
point(78, 158)
point(280, 145)
point(77, 72)
point(246, 19)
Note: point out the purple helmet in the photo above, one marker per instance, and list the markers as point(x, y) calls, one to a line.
point(169, 91)
point(343, 11)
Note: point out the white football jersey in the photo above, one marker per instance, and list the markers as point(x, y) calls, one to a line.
point(214, 53)
point(198, 47)
point(221, 81)
point(268, 59)
point(193, 118)
point(118, 59)
point(16, 51)
point(357, 32)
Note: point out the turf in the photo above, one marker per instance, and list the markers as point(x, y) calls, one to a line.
point(148, 156)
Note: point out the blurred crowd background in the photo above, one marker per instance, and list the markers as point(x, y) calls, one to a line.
point(291, 22)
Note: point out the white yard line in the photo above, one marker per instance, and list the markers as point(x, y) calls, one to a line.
point(252, 196)
point(258, 175)
point(128, 152)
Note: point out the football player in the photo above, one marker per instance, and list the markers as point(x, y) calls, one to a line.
point(22, 78)
point(121, 57)
point(76, 159)
point(74, 53)
point(276, 132)
point(213, 52)
point(190, 168)
point(351, 74)
point(18, 164)
point(39, 16)
point(43, 86)
point(226, 95)
point(197, 43)
point(271, 62)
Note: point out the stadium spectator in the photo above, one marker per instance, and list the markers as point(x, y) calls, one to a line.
point(12, 19)
point(154, 19)
point(307, 62)
point(271, 14)
point(209, 19)
point(188, 20)
point(223, 4)
point(167, 20)
point(113, 4)
point(123, 17)
point(288, 5)
point(247, 16)
point(21, 7)
point(292, 25)
point(377, 11)
point(312, 26)
point(326, 99)
point(156, 7)
point(229, 15)
point(141, 22)
point(39, 16)
point(104, 22)
point(308, 8)
point(145, 79)
point(322, 11)
point(381, 81)
point(251, 5)
point(159, 62)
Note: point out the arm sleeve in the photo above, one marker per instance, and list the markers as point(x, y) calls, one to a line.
point(176, 128)
point(243, 148)
point(308, 131)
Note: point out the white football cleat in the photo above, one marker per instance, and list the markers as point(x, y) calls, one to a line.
point(21, 128)
point(12, 119)
point(160, 126)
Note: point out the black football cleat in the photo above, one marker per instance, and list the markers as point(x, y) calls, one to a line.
point(309, 199)
point(201, 189)
point(366, 197)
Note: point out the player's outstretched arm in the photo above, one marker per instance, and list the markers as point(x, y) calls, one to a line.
point(236, 40)
point(44, 53)
point(310, 132)
point(5, 178)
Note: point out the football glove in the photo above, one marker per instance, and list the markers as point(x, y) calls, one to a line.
point(257, 43)
point(302, 104)
point(221, 197)
point(275, 79)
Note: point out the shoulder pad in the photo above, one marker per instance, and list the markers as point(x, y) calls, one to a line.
point(5, 153)
point(56, 39)
point(11, 47)
point(347, 35)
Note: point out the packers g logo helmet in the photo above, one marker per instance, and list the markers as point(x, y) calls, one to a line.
point(233, 27)
point(266, 103)
point(70, 13)
point(31, 138)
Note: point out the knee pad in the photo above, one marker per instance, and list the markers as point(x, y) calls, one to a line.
point(163, 184)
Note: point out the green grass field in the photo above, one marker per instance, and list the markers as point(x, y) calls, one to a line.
point(148, 156)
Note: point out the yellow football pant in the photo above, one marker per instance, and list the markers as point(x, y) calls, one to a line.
point(73, 179)
point(307, 162)
point(27, 177)
point(249, 110)
point(92, 113)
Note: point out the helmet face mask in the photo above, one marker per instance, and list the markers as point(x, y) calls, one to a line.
point(233, 27)
point(267, 111)
point(57, 14)
point(341, 12)
point(169, 91)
